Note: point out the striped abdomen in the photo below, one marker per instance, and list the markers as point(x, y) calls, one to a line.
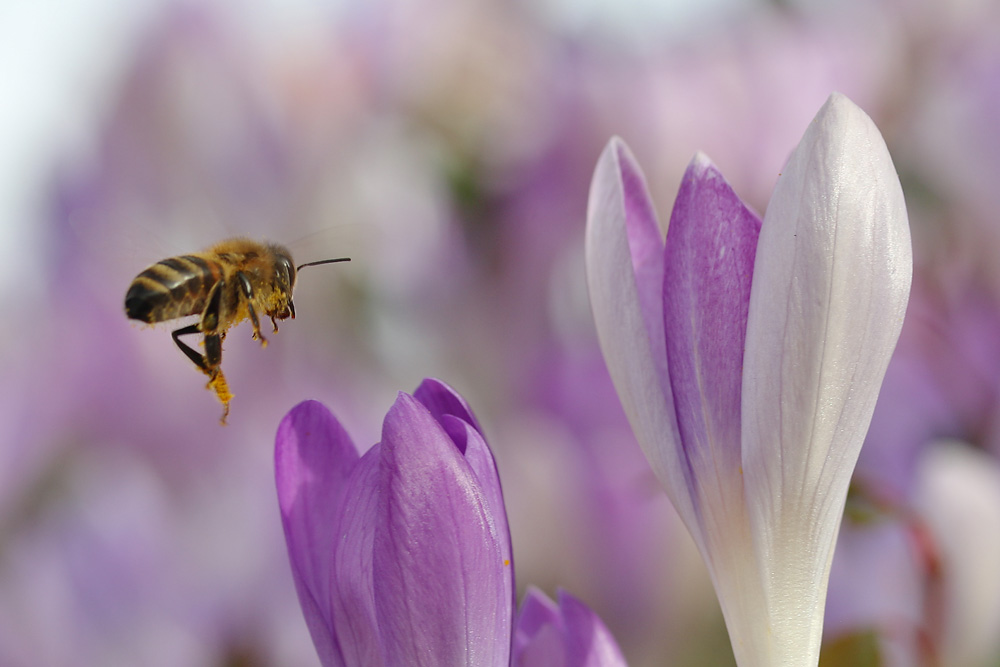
point(172, 288)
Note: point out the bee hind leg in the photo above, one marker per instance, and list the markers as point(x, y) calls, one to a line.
point(209, 363)
point(200, 360)
point(216, 380)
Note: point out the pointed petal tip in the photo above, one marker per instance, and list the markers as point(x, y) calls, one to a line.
point(304, 410)
point(303, 419)
point(441, 399)
point(610, 153)
point(840, 117)
point(404, 399)
point(701, 161)
point(433, 384)
point(537, 609)
point(411, 431)
point(618, 153)
point(583, 638)
point(703, 178)
point(701, 168)
point(838, 101)
point(616, 143)
point(404, 410)
point(310, 444)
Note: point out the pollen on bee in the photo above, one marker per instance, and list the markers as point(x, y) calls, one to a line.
point(218, 382)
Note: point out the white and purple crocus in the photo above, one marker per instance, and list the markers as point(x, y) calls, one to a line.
point(402, 556)
point(748, 355)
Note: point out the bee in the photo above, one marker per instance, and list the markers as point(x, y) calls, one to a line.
point(235, 280)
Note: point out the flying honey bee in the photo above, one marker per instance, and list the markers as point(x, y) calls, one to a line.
point(235, 280)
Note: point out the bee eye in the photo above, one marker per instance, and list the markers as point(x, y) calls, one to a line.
point(289, 269)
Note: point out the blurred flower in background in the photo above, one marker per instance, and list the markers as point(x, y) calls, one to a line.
point(447, 147)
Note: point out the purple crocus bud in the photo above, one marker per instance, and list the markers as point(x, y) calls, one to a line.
point(401, 556)
point(748, 355)
point(569, 634)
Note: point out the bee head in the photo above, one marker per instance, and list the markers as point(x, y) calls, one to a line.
point(284, 279)
point(284, 282)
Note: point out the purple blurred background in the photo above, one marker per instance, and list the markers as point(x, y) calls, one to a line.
point(447, 147)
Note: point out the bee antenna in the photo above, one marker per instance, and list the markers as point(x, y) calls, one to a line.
point(322, 261)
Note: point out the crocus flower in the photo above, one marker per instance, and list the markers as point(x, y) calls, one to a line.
point(565, 634)
point(748, 356)
point(402, 556)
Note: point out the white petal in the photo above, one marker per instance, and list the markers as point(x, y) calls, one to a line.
point(632, 342)
point(831, 282)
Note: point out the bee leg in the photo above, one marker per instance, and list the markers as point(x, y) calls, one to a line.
point(216, 380)
point(199, 359)
point(210, 316)
point(209, 363)
point(247, 289)
point(285, 314)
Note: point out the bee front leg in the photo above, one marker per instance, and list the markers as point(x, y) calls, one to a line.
point(247, 289)
point(289, 313)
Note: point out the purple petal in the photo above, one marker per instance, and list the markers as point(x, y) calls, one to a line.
point(537, 611)
point(441, 593)
point(588, 641)
point(484, 467)
point(458, 421)
point(353, 600)
point(313, 457)
point(625, 280)
point(538, 637)
point(625, 250)
point(570, 634)
point(442, 400)
point(708, 267)
point(645, 241)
